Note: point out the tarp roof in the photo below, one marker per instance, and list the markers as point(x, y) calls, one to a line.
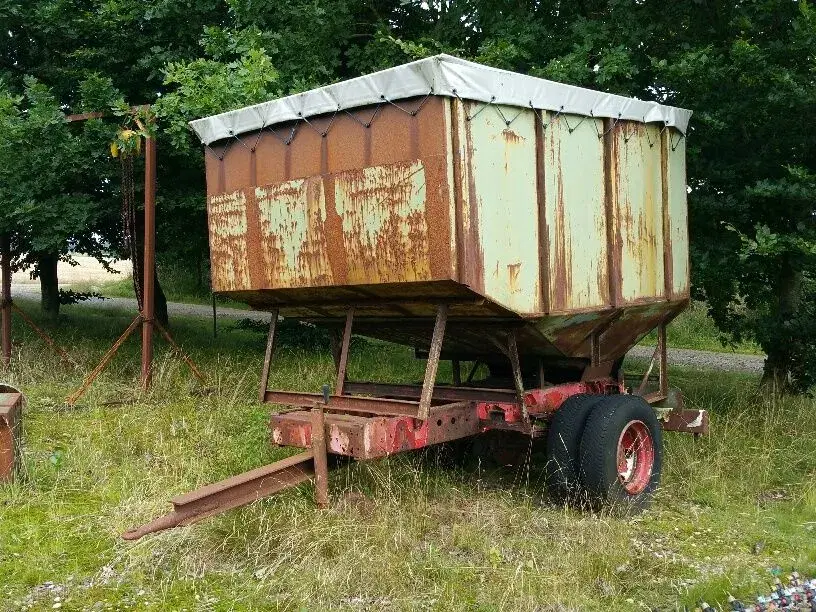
point(441, 75)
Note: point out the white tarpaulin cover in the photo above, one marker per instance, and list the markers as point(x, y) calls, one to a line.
point(442, 75)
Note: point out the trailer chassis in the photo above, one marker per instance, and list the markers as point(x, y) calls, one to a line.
point(366, 420)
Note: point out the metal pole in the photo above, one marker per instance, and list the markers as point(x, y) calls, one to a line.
point(321, 463)
point(149, 260)
point(5, 298)
point(341, 366)
point(270, 349)
point(215, 317)
point(426, 397)
point(457, 373)
point(664, 359)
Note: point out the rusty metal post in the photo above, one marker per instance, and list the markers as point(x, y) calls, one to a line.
point(321, 461)
point(270, 348)
point(664, 359)
point(595, 348)
point(184, 356)
point(5, 297)
point(72, 399)
point(149, 260)
point(457, 372)
point(518, 381)
point(433, 361)
point(344, 349)
point(473, 369)
point(45, 337)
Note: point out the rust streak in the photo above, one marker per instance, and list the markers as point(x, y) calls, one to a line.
point(543, 228)
point(333, 231)
point(613, 231)
point(437, 222)
point(475, 277)
point(457, 195)
point(668, 264)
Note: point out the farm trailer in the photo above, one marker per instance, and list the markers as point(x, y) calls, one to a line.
point(476, 215)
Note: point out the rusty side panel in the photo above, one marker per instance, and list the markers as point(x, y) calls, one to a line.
point(638, 214)
point(229, 256)
point(293, 243)
point(502, 160)
point(385, 232)
point(362, 205)
point(575, 214)
point(674, 151)
point(580, 235)
point(470, 259)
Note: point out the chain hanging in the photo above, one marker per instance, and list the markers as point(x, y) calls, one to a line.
point(129, 224)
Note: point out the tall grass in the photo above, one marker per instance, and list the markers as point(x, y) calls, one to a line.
point(401, 533)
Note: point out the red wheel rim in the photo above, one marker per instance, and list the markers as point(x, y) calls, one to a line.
point(635, 457)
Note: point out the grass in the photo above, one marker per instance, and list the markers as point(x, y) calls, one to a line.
point(401, 533)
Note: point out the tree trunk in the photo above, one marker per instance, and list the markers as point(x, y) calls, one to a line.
point(776, 376)
point(49, 284)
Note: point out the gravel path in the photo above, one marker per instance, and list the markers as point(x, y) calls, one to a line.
point(709, 360)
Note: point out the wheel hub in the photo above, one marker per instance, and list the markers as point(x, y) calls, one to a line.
point(635, 457)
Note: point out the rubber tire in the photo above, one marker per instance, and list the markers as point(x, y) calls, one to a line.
point(562, 468)
point(599, 446)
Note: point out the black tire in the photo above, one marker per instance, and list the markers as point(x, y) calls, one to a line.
point(563, 445)
point(599, 455)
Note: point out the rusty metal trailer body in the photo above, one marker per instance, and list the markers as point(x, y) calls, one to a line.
point(474, 214)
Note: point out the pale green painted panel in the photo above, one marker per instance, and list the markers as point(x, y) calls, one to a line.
point(678, 211)
point(639, 210)
point(293, 243)
point(385, 231)
point(503, 174)
point(575, 213)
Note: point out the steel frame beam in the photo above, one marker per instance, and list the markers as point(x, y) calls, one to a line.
point(231, 493)
point(345, 403)
point(270, 349)
point(433, 361)
point(441, 392)
point(342, 362)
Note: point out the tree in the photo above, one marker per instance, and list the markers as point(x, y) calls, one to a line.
point(746, 69)
point(121, 46)
point(50, 202)
point(749, 69)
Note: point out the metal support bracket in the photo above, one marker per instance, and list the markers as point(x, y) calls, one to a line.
point(270, 349)
point(342, 361)
point(660, 353)
point(433, 361)
point(518, 381)
point(321, 461)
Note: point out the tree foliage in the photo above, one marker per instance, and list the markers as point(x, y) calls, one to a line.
point(746, 69)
